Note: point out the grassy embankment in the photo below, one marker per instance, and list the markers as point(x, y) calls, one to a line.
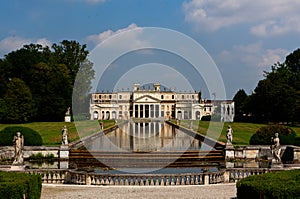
point(242, 132)
point(51, 131)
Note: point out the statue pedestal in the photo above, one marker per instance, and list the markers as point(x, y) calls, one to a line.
point(64, 152)
point(229, 151)
point(68, 118)
point(17, 168)
point(275, 164)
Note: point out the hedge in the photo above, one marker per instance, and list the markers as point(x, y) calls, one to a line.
point(281, 184)
point(15, 185)
point(31, 137)
point(263, 135)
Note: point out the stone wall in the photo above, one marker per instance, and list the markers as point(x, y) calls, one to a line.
point(251, 152)
point(7, 152)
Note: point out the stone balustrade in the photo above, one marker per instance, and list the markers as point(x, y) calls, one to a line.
point(236, 174)
point(82, 178)
point(56, 176)
point(145, 179)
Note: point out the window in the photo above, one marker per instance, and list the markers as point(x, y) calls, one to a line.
point(172, 96)
point(162, 96)
point(120, 96)
point(182, 96)
point(99, 96)
point(193, 97)
point(109, 96)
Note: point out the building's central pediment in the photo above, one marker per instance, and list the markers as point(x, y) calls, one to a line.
point(146, 99)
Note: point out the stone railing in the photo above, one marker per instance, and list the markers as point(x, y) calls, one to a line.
point(145, 179)
point(236, 174)
point(55, 176)
point(83, 178)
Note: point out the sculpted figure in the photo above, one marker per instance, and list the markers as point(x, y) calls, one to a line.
point(276, 148)
point(229, 133)
point(64, 132)
point(68, 111)
point(18, 142)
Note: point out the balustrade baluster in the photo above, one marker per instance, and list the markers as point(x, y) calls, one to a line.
point(187, 180)
point(152, 182)
point(136, 183)
point(167, 181)
point(126, 181)
point(177, 180)
point(182, 180)
point(156, 182)
point(192, 180)
point(172, 181)
point(142, 182)
point(121, 180)
point(147, 181)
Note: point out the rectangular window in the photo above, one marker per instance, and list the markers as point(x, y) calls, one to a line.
point(172, 96)
point(120, 96)
point(136, 111)
point(162, 96)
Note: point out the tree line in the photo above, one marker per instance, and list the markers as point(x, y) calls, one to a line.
point(36, 82)
point(276, 98)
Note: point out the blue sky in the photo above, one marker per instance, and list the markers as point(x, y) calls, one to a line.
point(243, 37)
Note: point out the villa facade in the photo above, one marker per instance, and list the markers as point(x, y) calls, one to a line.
point(155, 103)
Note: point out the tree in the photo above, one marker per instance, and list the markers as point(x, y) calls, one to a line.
point(16, 105)
point(82, 87)
point(240, 104)
point(50, 75)
point(276, 98)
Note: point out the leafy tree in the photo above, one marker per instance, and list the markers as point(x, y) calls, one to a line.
point(276, 98)
point(50, 75)
point(16, 105)
point(240, 104)
point(82, 86)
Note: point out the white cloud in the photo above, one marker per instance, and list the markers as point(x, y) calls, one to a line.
point(9, 44)
point(97, 39)
point(252, 55)
point(274, 17)
point(128, 40)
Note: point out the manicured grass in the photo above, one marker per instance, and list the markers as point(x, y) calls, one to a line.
point(51, 131)
point(242, 132)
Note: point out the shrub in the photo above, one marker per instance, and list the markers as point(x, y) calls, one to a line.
point(17, 185)
point(282, 184)
point(264, 134)
point(206, 118)
point(31, 137)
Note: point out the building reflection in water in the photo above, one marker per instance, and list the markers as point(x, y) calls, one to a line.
point(146, 137)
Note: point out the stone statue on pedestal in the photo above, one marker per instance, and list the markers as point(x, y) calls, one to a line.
point(229, 133)
point(64, 133)
point(276, 149)
point(18, 142)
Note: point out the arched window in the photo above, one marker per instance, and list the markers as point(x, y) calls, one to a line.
point(107, 115)
point(95, 115)
point(197, 115)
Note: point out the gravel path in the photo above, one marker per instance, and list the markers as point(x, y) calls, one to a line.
point(131, 192)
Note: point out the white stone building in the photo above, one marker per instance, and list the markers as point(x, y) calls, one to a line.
point(150, 103)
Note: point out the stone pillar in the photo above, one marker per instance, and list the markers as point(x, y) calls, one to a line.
point(206, 179)
point(226, 176)
point(229, 151)
point(64, 152)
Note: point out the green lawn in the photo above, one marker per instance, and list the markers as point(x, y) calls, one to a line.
point(242, 132)
point(51, 131)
